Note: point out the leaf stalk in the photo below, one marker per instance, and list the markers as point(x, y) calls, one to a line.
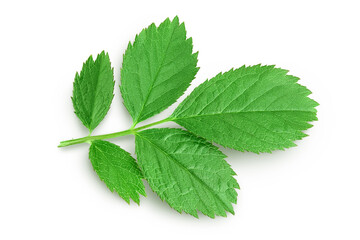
point(129, 131)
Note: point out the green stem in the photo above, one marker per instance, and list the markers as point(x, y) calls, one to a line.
point(89, 139)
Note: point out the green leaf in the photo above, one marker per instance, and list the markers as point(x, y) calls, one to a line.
point(187, 172)
point(256, 109)
point(117, 169)
point(93, 90)
point(157, 68)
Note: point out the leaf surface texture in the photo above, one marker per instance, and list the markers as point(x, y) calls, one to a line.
point(117, 169)
point(189, 173)
point(256, 109)
point(93, 90)
point(157, 68)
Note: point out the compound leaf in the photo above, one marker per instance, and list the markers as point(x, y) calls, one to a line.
point(157, 68)
point(256, 109)
point(189, 173)
point(117, 169)
point(93, 90)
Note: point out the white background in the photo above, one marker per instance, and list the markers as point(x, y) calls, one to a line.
point(307, 192)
